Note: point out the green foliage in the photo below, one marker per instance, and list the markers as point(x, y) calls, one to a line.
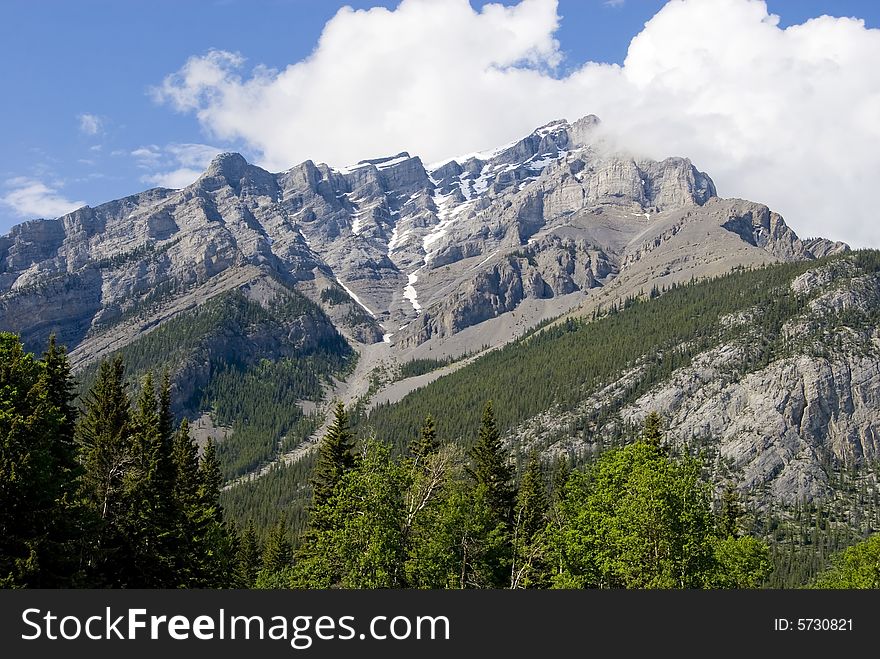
point(741, 562)
point(653, 430)
point(636, 520)
point(335, 458)
point(856, 567)
point(561, 365)
point(415, 367)
point(427, 443)
point(491, 467)
point(252, 390)
point(530, 523)
point(38, 477)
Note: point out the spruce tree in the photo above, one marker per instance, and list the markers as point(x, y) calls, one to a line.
point(277, 552)
point(491, 467)
point(65, 530)
point(30, 478)
point(215, 542)
point(248, 561)
point(188, 509)
point(530, 521)
point(652, 433)
point(427, 443)
point(335, 457)
point(210, 479)
point(104, 437)
point(150, 523)
point(730, 513)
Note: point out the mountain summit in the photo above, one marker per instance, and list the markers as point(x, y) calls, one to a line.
point(422, 252)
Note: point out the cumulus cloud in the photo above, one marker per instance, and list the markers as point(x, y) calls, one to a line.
point(90, 124)
point(174, 165)
point(787, 117)
point(29, 197)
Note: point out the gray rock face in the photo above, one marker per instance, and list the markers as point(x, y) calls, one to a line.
point(421, 254)
point(776, 428)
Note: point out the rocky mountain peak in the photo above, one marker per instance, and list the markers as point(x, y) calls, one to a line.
point(229, 165)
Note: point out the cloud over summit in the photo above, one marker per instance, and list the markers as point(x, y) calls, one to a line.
point(786, 117)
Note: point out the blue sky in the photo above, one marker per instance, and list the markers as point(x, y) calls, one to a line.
point(81, 123)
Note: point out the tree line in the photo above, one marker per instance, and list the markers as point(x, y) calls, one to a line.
point(118, 495)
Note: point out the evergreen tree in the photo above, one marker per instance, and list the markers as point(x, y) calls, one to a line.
point(33, 484)
point(150, 522)
point(491, 467)
point(189, 514)
point(652, 433)
point(104, 436)
point(248, 561)
point(210, 479)
point(65, 530)
point(277, 551)
point(185, 456)
point(531, 520)
point(166, 416)
point(730, 513)
point(427, 443)
point(215, 541)
point(335, 457)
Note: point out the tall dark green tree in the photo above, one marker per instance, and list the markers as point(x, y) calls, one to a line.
point(427, 443)
point(335, 457)
point(189, 512)
point(277, 550)
point(730, 513)
point(530, 522)
point(36, 477)
point(652, 433)
point(62, 564)
point(248, 560)
point(104, 436)
point(150, 521)
point(490, 467)
point(215, 540)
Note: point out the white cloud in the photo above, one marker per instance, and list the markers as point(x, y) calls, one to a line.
point(147, 156)
point(785, 117)
point(614, 3)
point(174, 165)
point(176, 178)
point(31, 198)
point(90, 124)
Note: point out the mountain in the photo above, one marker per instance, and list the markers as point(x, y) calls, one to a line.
point(321, 281)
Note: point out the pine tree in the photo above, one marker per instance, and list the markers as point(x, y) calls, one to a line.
point(335, 457)
point(277, 551)
point(29, 475)
point(491, 468)
point(427, 443)
point(652, 433)
point(150, 522)
point(104, 437)
point(248, 561)
point(730, 513)
point(216, 543)
point(210, 479)
point(189, 514)
point(166, 416)
point(65, 530)
point(185, 456)
point(530, 521)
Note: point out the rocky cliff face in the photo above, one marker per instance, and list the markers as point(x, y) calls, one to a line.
point(780, 428)
point(421, 252)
